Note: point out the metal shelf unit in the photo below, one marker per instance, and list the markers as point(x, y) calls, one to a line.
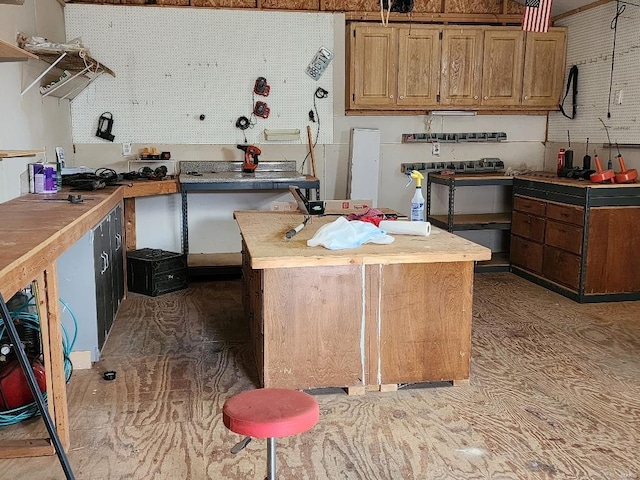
point(453, 222)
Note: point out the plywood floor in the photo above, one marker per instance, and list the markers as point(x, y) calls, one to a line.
point(554, 394)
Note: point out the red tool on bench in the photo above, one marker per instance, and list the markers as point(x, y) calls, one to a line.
point(624, 175)
point(601, 176)
point(251, 153)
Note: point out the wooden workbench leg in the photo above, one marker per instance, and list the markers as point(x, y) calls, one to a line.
point(130, 223)
point(46, 293)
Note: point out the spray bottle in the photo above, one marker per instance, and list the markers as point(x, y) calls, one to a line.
point(417, 202)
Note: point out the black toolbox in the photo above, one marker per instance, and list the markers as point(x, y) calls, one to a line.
point(153, 272)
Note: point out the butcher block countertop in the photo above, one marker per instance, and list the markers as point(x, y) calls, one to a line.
point(34, 231)
point(263, 233)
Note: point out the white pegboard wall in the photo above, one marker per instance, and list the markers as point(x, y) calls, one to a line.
point(174, 64)
point(589, 46)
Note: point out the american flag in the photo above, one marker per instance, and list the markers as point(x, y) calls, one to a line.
point(536, 15)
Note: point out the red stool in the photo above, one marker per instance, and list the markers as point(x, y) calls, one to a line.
point(270, 413)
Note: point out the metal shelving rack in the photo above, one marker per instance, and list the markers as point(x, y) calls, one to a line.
point(453, 222)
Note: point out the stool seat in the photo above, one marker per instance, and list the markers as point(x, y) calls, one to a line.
point(270, 413)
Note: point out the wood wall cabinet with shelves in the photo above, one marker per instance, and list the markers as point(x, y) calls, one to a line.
point(427, 67)
point(577, 238)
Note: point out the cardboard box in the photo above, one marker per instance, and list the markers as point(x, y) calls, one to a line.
point(347, 206)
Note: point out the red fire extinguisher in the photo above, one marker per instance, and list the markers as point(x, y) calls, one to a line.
point(560, 160)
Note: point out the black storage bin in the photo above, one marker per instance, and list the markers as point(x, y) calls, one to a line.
point(153, 272)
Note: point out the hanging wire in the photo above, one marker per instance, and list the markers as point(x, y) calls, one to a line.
point(614, 27)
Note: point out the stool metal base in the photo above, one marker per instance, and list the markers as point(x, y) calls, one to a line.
point(271, 459)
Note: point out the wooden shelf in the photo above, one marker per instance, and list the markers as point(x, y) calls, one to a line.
point(11, 53)
point(499, 263)
point(19, 153)
point(474, 221)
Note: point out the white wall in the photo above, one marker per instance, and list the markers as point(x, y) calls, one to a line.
point(29, 122)
point(592, 55)
point(210, 213)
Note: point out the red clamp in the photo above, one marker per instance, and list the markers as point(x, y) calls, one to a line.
point(261, 110)
point(261, 87)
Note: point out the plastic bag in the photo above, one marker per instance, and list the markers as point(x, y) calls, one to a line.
point(342, 234)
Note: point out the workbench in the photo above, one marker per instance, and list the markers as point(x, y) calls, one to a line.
point(366, 318)
point(577, 238)
point(34, 232)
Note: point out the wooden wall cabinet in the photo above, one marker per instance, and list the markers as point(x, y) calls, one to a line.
point(461, 79)
point(427, 67)
point(577, 238)
point(502, 64)
point(393, 67)
point(544, 60)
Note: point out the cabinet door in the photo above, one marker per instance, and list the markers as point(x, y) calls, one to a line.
point(418, 66)
point(544, 59)
point(502, 67)
point(117, 260)
point(373, 72)
point(461, 80)
point(103, 287)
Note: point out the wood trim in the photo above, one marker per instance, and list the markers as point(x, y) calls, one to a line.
point(147, 188)
point(427, 112)
point(19, 153)
point(38, 447)
point(11, 53)
point(130, 223)
point(477, 18)
point(49, 310)
point(579, 9)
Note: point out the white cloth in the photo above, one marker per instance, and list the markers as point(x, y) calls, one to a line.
point(342, 234)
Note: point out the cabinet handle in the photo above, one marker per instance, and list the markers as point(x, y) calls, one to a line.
point(390, 96)
point(486, 97)
point(526, 97)
point(118, 241)
point(401, 97)
point(475, 97)
point(105, 262)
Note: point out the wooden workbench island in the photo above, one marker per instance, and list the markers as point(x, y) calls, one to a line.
point(365, 318)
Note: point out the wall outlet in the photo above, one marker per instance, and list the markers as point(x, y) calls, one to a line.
point(126, 149)
point(435, 148)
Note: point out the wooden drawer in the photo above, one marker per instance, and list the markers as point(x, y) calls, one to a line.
point(527, 226)
point(566, 213)
point(529, 205)
point(565, 236)
point(526, 254)
point(561, 267)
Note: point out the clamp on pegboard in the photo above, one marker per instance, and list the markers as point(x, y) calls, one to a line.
point(261, 87)
point(261, 110)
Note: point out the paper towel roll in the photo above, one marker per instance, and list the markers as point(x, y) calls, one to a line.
point(406, 228)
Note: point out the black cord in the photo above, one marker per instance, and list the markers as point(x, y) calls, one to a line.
point(323, 94)
point(614, 27)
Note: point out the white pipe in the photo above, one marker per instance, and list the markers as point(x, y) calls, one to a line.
point(43, 73)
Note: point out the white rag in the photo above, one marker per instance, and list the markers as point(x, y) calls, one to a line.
point(342, 234)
